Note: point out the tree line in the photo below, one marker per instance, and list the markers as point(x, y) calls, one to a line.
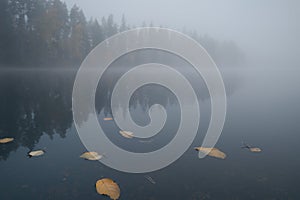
point(44, 33)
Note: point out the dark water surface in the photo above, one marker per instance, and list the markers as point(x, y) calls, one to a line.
point(263, 110)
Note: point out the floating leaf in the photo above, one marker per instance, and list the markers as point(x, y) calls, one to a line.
point(91, 156)
point(214, 152)
point(126, 134)
point(255, 149)
point(36, 153)
point(107, 119)
point(252, 149)
point(6, 140)
point(108, 187)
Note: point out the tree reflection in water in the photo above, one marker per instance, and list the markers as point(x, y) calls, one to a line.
point(33, 104)
point(39, 101)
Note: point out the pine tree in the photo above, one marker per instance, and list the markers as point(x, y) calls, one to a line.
point(123, 26)
point(79, 41)
point(96, 33)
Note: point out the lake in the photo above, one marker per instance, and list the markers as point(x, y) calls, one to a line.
point(263, 110)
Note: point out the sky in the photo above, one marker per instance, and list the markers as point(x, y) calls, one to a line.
point(269, 28)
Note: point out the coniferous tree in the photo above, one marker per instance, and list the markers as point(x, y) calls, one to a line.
point(124, 26)
point(6, 38)
point(96, 33)
point(43, 33)
point(79, 41)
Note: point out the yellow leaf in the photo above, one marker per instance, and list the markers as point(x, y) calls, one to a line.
point(255, 149)
point(108, 187)
point(214, 152)
point(91, 155)
point(126, 134)
point(6, 140)
point(252, 149)
point(36, 153)
point(107, 119)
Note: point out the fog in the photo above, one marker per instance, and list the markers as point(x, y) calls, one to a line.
point(267, 31)
point(255, 45)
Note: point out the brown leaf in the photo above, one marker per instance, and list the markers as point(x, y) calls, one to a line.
point(6, 140)
point(107, 119)
point(255, 149)
point(126, 134)
point(214, 152)
point(108, 187)
point(36, 153)
point(91, 155)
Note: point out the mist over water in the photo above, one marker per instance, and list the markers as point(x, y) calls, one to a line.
point(262, 111)
point(255, 45)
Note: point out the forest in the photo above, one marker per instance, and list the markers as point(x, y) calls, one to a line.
point(45, 33)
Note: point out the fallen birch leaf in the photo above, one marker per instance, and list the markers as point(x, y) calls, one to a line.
point(108, 187)
point(91, 156)
point(214, 152)
point(36, 153)
point(126, 134)
point(107, 119)
point(6, 140)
